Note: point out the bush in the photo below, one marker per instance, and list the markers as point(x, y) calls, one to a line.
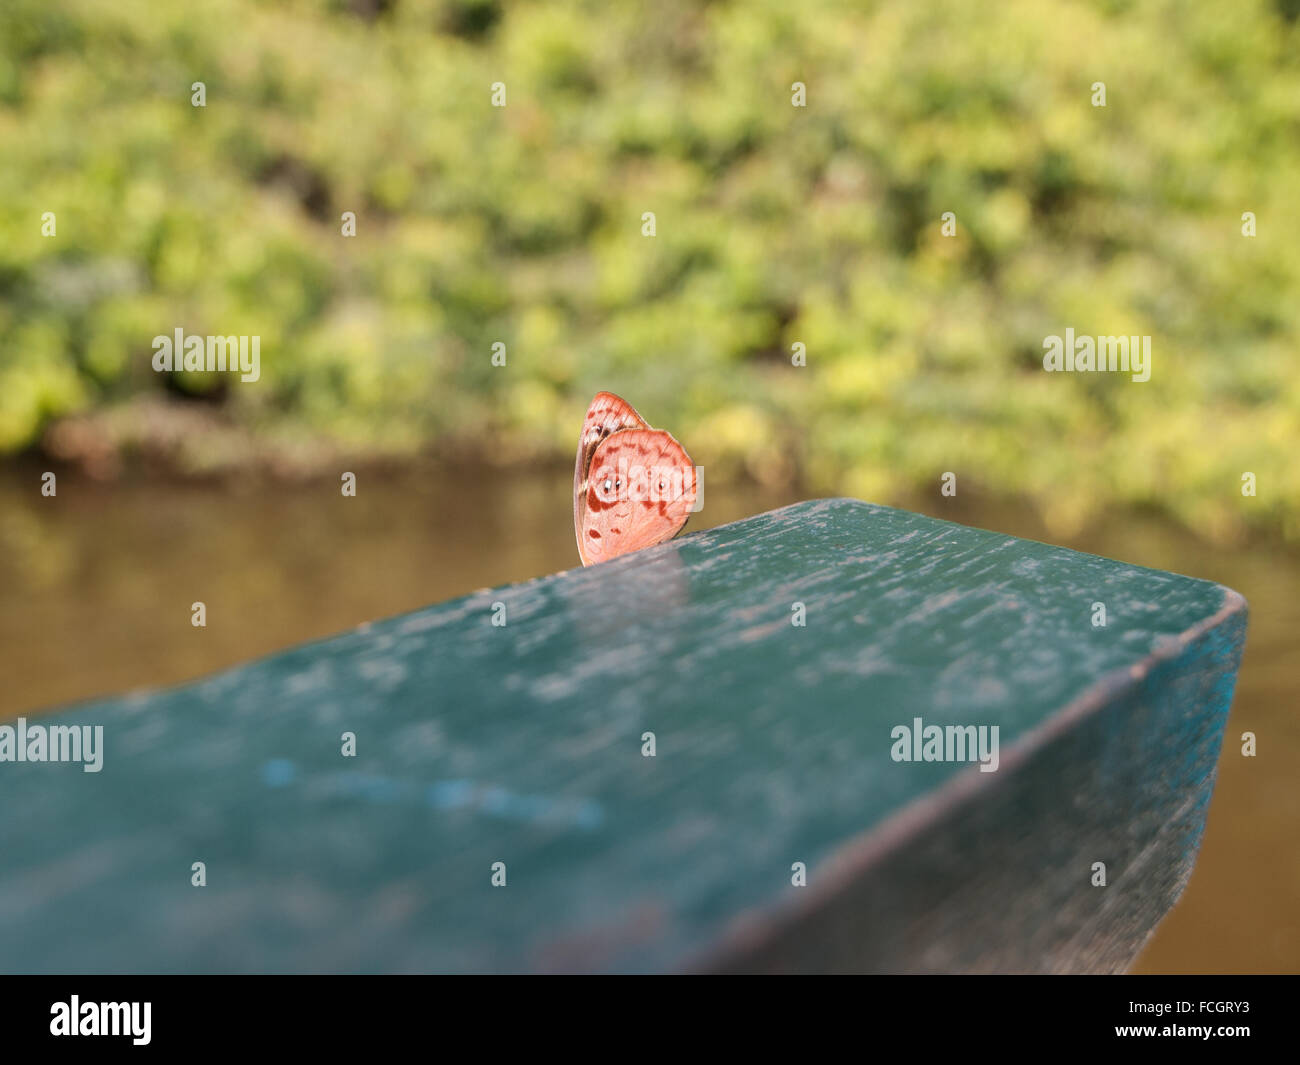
point(775, 225)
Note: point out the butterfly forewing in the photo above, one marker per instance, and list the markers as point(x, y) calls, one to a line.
point(607, 414)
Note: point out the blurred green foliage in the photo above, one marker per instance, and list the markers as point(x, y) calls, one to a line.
point(775, 225)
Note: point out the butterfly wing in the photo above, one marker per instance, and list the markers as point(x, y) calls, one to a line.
point(607, 414)
point(640, 488)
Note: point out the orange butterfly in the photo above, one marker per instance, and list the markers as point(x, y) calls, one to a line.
point(633, 486)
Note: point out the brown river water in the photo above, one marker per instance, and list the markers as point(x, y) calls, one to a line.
point(95, 587)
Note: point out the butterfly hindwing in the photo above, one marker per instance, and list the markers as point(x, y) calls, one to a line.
point(640, 490)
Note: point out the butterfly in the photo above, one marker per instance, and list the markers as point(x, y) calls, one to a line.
point(633, 486)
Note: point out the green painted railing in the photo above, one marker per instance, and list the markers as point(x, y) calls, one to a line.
point(714, 754)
